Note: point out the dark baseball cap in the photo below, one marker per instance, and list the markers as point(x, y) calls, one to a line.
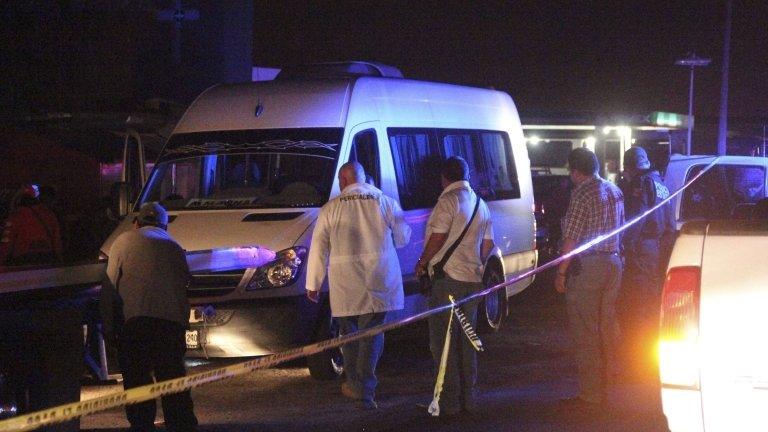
point(636, 157)
point(152, 213)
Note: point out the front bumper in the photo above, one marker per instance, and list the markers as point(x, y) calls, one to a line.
point(251, 328)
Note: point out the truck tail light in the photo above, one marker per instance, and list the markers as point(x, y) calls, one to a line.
point(679, 329)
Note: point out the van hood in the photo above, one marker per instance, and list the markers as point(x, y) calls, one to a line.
point(204, 231)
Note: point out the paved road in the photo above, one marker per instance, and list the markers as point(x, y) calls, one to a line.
point(526, 368)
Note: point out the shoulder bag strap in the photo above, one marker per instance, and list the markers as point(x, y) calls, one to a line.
point(455, 244)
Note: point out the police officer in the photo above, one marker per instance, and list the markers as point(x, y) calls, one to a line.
point(643, 188)
point(644, 249)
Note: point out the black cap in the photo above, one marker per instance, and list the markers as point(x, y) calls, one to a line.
point(636, 157)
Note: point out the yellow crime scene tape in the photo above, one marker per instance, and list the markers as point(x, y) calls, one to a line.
point(62, 413)
point(469, 332)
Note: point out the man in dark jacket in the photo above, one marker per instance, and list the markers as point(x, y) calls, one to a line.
point(148, 275)
point(643, 188)
point(644, 251)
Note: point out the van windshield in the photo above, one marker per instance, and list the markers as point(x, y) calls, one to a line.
point(272, 168)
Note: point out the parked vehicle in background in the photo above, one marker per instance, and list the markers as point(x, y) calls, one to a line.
point(551, 195)
point(727, 191)
point(248, 167)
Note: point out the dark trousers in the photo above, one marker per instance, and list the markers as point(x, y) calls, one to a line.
point(147, 347)
point(642, 280)
point(461, 368)
point(639, 305)
point(41, 354)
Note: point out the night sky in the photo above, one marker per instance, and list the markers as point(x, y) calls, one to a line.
point(554, 58)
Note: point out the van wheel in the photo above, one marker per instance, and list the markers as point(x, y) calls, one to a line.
point(329, 364)
point(493, 308)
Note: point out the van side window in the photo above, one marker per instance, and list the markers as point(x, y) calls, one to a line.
point(365, 150)
point(417, 154)
point(722, 191)
point(416, 158)
point(492, 172)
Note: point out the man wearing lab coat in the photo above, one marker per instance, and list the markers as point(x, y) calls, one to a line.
point(355, 238)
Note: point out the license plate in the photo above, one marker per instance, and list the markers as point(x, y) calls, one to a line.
point(192, 339)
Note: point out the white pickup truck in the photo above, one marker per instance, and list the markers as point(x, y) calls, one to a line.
point(713, 358)
point(712, 350)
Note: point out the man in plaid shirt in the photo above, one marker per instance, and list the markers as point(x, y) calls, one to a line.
point(593, 278)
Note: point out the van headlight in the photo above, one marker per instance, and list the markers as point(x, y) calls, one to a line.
point(280, 272)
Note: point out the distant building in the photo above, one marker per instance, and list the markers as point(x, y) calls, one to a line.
point(550, 140)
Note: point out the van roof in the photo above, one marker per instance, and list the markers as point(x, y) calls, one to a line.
point(315, 103)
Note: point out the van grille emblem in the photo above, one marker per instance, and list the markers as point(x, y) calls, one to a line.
point(259, 110)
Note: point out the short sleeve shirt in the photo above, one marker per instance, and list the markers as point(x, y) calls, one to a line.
point(451, 213)
point(596, 208)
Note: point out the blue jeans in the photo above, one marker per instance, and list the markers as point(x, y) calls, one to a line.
point(361, 357)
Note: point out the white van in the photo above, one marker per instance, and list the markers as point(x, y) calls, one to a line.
point(248, 167)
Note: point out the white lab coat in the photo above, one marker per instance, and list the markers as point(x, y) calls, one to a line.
point(355, 238)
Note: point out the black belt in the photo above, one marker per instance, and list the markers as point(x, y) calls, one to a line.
point(598, 252)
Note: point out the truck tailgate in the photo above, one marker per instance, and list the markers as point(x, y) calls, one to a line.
point(733, 325)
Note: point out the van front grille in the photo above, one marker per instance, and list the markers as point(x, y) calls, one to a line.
point(213, 284)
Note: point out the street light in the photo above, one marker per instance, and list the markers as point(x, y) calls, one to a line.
point(691, 61)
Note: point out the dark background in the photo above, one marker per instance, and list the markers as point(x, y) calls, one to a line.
point(555, 58)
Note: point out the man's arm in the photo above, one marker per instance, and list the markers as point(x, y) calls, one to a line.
point(568, 246)
point(110, 303)
point(317, 262)
point(433, 245)
point(575, 218)
point(401, 231)
point(487, 244)
point(485, 249)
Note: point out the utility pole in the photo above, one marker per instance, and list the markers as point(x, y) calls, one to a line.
point(178, 16)
point(691, 61)
point(722, 134)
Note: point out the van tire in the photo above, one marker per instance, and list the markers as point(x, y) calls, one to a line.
point(493, 307)
point(329, 364)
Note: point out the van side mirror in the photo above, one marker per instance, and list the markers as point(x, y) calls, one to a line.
point(121, 197)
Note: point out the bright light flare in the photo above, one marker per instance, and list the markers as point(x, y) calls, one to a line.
point(679, 362)
point(590, 142)
point(679, 351)
point(534, 140)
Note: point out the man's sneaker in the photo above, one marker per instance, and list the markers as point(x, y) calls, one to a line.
point(348, 391)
